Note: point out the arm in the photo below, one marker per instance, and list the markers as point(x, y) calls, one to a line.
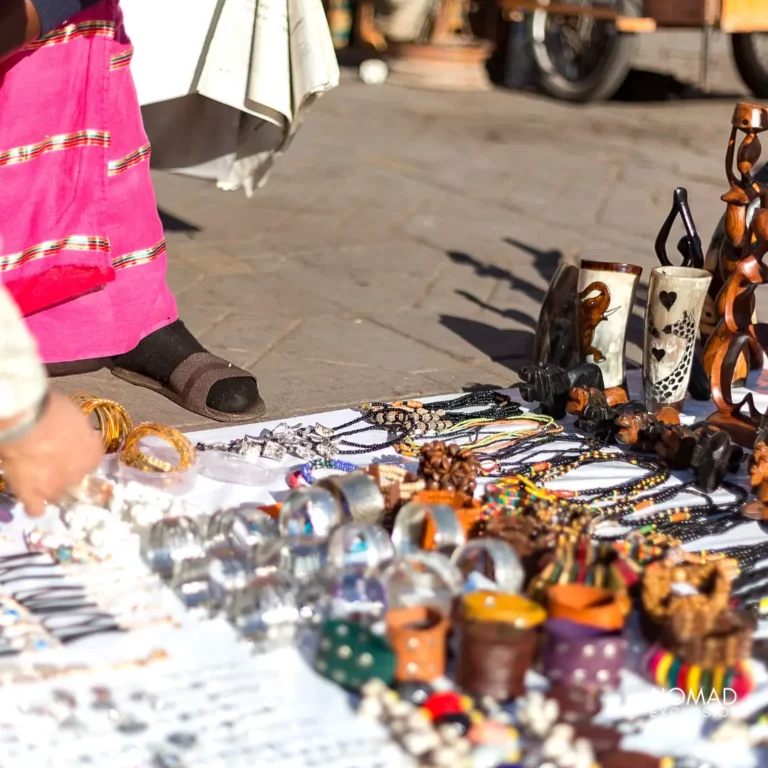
point(46, 444)
point(23, 382)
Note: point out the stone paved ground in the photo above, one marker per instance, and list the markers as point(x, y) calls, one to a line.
point(404, 244)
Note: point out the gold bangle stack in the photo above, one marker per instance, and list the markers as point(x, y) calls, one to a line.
point(113, 420)
point(133, 456)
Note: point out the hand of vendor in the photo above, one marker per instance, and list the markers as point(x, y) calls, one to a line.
point(55, 449)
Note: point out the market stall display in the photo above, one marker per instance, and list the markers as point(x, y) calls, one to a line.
point(570, 575)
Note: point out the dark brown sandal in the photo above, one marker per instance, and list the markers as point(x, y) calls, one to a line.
point(190, 383)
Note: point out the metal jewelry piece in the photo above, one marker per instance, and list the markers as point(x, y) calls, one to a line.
point(191, 582)
point(267, 611)
point(303, 557)
point(422, 578)
point(228, 573)
point(171, 540)
point(310, 511)
point(508, 571)
point(133, 456)
point(304, 442)
point(358, 494)
point(241, 528)
point(357, 595)
point(408, 533)
point(359, 544)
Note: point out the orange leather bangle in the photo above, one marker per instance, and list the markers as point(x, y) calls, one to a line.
point(592, 606)
point(417, 635)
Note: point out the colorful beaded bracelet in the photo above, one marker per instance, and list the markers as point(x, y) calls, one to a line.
point(306, 474)
point(669, 672)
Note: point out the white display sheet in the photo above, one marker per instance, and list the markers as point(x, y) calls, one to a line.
point(285, 701)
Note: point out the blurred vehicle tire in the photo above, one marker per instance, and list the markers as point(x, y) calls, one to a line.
point(581, 59)
point(750, 52)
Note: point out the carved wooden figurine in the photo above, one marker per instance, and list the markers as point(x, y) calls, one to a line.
point(744, 197)
point(734, 342)
point(550, 385)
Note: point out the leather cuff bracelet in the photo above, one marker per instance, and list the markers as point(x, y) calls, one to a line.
point(351, 655)
point(27, 424)
point(592, 606)
point(494, 658)
point(575, 654)
point(418, 637)
point(514, 610)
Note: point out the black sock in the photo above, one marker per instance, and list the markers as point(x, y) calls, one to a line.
point(159, 354)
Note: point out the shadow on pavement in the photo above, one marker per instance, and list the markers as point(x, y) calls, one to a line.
point(644, 85)
point(510, 348)
point(513, 348)
point(173, 224)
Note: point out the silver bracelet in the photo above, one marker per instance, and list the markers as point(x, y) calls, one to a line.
point(27, 424)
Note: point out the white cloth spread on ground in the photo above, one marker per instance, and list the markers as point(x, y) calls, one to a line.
point(225, 84)
point(196, 645)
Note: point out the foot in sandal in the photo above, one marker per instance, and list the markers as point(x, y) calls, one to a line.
point(172, 362)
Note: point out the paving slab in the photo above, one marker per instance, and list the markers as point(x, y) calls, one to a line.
point(402, 247)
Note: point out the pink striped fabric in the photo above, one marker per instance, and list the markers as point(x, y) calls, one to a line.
point(81, 243)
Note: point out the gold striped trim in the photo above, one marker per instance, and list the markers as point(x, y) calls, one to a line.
point(116, 167)
point(121, 61)
point(139, 257)
point(53, 247)
point(54, 144)
point(73, 32)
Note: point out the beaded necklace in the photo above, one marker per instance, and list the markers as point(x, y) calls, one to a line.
point(493, 442)
point(411, 417)
point(745, 555)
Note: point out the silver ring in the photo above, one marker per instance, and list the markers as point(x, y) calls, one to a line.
point(361, 498)
point(411, 520)
point(508, 571)
point(356, 595)
point(228, 573)
point(171, 540)
point(426, 578)
point(304, 558)
point(190, 580)
point(241, 528)
point(309, 511)
point(267, 610)
point(359, 544)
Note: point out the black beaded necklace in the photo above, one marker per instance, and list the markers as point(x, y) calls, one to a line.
point(745, 555)
point(406, 420)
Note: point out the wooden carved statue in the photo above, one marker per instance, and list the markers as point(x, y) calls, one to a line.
point(733, 347)
point(735, 238)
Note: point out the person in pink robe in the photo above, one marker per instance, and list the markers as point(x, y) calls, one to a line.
point(83, 252)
